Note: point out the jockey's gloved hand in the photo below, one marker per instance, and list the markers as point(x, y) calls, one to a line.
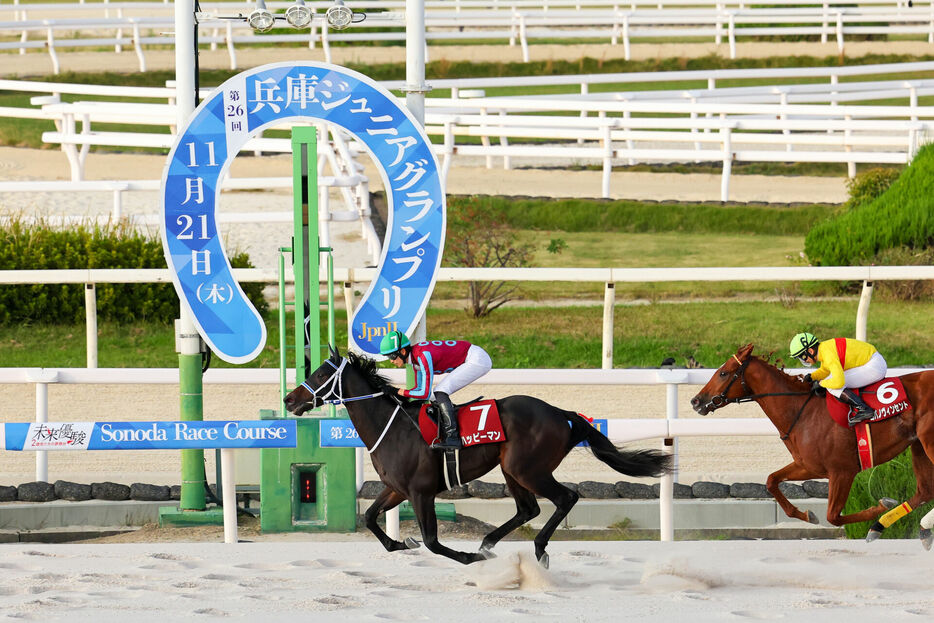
point(817, 388)
point(807, 378)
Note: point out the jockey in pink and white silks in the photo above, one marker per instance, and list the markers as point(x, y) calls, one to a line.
point(460, 361)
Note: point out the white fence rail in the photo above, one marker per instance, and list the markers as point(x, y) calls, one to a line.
point(783, 123)
point(619, 430)
point(142, 25)
point(608, 276)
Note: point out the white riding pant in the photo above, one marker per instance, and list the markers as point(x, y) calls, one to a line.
point(476, 364)
point(866, 374)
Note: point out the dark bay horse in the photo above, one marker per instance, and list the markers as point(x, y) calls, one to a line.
point(821, 448)
point(538, 437)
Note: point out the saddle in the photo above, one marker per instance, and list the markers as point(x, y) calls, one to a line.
point(478, 422)
point(887, 397)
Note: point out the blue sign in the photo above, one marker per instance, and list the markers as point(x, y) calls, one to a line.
point(150, 435)
point(340, 433)
point(241, 108)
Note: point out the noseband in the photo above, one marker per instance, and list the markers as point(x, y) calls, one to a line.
point(721, 400)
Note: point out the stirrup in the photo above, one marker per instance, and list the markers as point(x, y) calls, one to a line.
point(860, 416)
point(451, 443)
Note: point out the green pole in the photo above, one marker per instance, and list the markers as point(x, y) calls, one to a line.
point(191, 400)
point(305, 261)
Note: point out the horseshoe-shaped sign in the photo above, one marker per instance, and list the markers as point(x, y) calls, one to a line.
point(296, 91)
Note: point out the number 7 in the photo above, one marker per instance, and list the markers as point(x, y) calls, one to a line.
point(484, 409)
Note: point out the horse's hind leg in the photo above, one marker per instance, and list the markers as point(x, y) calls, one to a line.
point(563, 498)
point(924, 479)
point(386, 500)
point(526, 508)
point(424, 506)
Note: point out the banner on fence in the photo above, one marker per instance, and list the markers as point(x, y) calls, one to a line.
point(149, 435)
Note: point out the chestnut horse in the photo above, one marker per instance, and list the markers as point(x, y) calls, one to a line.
point(538, 437)
point(820, 447)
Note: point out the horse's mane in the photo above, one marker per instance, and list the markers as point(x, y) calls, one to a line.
point(778, 364)
point(370, 371)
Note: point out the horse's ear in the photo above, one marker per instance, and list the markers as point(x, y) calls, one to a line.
point(745, 351)
point(332, 350)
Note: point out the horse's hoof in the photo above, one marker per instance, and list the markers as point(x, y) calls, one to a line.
point(888, 503)
point(487, 553)
point(411, 543)
point(812, 518)
point(543, 560)
point(872, 535)
point(926, 538)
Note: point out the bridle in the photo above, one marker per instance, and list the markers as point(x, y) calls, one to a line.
point(333, 386)
point(721, 399)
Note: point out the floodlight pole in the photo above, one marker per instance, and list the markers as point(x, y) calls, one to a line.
point(415, 85)
point(188, 341)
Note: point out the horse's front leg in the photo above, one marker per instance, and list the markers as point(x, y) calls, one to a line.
point(424, 506)
point(792, 471)
point(386, 500)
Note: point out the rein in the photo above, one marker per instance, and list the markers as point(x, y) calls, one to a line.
point(334, 388)
point(721, 399)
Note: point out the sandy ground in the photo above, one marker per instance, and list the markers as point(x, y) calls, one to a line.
point(709, 581)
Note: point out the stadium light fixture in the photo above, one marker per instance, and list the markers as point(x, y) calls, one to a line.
point(261, 20)
point(338, 16)
point(298, 15)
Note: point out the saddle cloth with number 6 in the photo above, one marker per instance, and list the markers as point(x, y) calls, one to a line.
point(887, 397)
point(477, 421)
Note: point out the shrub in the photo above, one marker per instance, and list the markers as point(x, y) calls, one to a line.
point(900, 217)
point(28, 246)
point(868, 185)
point(894, 479)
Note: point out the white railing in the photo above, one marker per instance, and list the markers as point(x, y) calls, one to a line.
point(608, 276)
point(720, 125)
point(617, 23)
point(619, 430)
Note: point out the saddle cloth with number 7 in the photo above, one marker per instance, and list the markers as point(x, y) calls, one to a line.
point(887, 397)
point(477, 421)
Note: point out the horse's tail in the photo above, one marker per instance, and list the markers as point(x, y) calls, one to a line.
point(630, 462)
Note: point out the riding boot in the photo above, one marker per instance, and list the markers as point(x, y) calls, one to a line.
point(448, 417)
point(863, 411)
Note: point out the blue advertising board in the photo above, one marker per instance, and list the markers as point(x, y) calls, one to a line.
point(150, 435)
point(340, 433)
point(295, 91)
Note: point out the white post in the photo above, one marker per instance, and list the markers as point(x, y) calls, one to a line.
point(727, 145)
point(90, 312)
point(862, 311)
point(42, 416)
point(229, 486)
point(42, 378)
point(609, 300)
point(392, 523)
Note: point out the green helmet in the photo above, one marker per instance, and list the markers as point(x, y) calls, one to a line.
point(393, 341)
point(801, 343)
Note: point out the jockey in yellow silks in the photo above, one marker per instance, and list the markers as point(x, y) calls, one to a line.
point(844, 364)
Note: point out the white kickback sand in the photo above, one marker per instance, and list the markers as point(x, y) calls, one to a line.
point(355, 579)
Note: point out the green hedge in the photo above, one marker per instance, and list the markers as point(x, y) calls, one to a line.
point(903, 216)
point(585, 215)
point(36, 246)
